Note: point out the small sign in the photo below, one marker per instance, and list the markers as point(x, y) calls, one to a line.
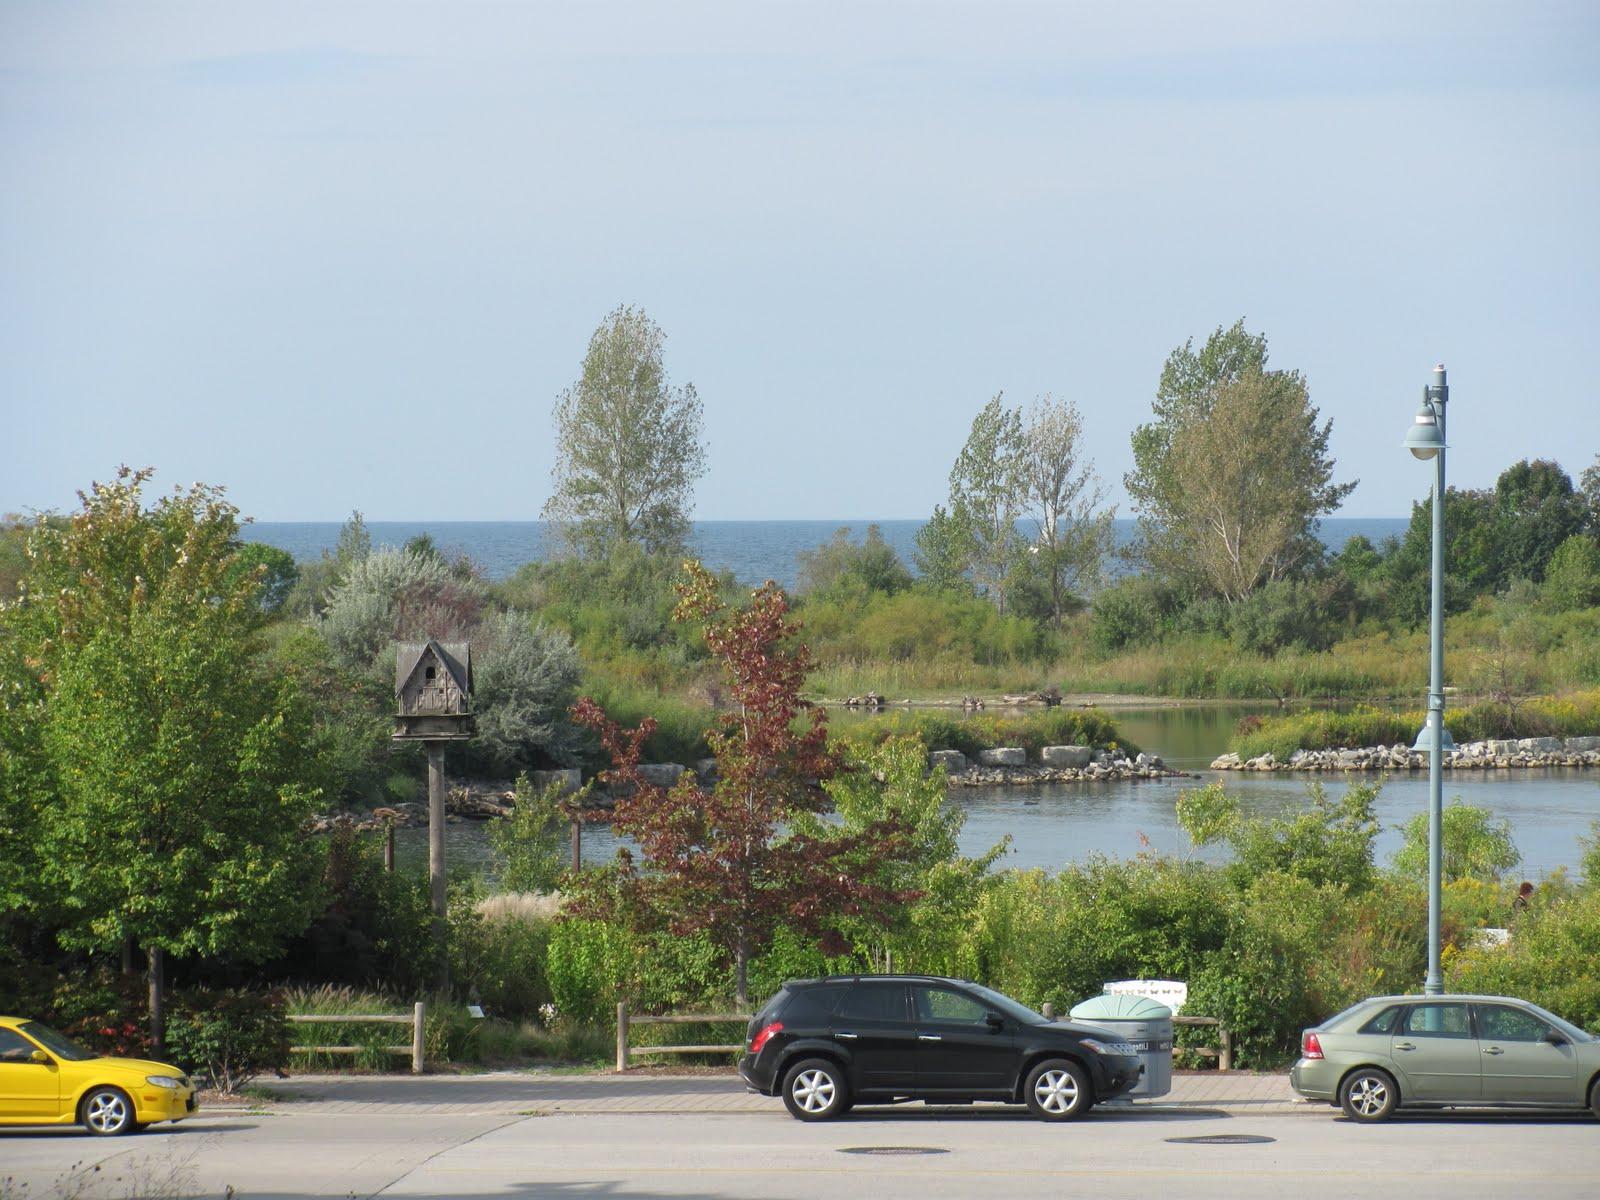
point(475, 1011)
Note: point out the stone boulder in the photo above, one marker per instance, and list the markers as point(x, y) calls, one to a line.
point(1003, 756)
point(660, 774)
point(1065, 756)
point(953, 761)
point(1540, 745)
point(1582, 745)
point(570, 779)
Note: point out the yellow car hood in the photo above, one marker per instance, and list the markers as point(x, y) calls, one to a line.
point(139, 1066)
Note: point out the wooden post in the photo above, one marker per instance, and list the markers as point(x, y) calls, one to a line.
point(436, 871)
point(388, 846)
point(1047, 1011)
point(577, 845)
point(622, 1035)
point(419, 1016)
point(1225, 1049)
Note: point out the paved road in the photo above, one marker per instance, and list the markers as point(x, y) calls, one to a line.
point(311, 1149)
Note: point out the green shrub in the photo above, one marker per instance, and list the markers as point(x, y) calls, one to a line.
point(1553, 958)
point(1474, 845)
point(1032, 730)
point(1132, 612)
point(230, 1036)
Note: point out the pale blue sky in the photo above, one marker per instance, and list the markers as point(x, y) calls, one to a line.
point(280, 246)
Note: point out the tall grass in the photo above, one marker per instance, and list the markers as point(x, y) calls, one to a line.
point(1573, 715)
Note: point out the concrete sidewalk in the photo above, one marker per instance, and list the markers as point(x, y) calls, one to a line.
point(526, 1093)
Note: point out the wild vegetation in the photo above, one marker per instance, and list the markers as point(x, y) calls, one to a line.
point(175, 702)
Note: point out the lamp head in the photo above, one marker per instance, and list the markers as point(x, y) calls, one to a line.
point(1423, 439)
point(1424, 740)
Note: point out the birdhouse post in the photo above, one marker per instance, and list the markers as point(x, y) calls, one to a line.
point(433, 692)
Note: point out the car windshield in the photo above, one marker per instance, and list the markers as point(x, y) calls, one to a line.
point(60, 1046)
point(1018, 1012)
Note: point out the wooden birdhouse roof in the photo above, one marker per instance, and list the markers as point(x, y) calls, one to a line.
point(455, 657)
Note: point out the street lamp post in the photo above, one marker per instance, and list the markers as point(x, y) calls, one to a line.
point(1425, 441)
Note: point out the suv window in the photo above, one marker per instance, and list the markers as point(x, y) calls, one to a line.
point(872, 1002)
point(942, 1004)
point(1436, 1020)
point(1384, 1022)
point(810, 1003)
point(1509, 1024)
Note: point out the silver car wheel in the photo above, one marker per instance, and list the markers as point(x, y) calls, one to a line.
point(1056, 1092)
point(106, 1112)
point(813, 1090)
point(1369, 1095)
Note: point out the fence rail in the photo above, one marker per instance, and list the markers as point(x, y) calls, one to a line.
point(626, 1021)
point(417, 1020)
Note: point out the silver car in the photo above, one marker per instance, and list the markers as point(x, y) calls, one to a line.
point(1447, 1051)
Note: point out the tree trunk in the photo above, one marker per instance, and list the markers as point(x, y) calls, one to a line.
point(577, 845)
point(127, 954)
point(741, 964)
point(158, 1009)
point(436, 867)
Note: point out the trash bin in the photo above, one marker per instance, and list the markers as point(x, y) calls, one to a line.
point(1146, 1024)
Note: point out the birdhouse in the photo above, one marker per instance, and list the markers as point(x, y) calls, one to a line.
point(433, 686)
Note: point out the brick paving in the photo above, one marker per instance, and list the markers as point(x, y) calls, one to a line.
point(512, 1093)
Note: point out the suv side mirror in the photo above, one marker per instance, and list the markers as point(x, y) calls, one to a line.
point(994, 1021)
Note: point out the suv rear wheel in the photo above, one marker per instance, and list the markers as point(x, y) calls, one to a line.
point(1368, 1094)
point(814, 1090)
point(1058, 1090)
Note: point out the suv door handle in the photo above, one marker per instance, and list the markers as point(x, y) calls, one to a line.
point(844, 1034)
point(929, 1037)
point(1404, 1046)
point(1493, 1050)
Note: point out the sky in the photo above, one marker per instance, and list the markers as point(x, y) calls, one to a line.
point(341, 256)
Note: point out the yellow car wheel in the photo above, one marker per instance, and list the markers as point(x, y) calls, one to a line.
point(107, 1112)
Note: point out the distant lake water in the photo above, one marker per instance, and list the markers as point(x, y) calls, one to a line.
point(753, 550)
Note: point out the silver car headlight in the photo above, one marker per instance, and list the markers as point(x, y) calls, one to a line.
point(1111, 1049)
point(163, 1081)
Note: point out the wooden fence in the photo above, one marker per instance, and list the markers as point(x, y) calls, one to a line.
point(416, 1020)
point(625, 1022)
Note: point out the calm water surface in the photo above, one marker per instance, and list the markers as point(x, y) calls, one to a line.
point(1051, 825)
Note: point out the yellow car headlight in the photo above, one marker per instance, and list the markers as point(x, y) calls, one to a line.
point(163, 1081)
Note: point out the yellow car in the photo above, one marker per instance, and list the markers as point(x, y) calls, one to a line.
point(46, 1079)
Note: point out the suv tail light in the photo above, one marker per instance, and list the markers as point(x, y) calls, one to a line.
point(765, 1036)
point(1310, 1047)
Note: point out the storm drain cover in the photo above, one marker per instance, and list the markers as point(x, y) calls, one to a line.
point(1222, 1139)
point(894, 1150)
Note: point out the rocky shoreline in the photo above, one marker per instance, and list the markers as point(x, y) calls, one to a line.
point(1500, 754)
point(1003, 766)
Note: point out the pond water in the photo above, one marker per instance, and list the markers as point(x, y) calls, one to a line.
point(1054, 824)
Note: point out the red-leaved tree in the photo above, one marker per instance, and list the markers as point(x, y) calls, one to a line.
point(721, 860)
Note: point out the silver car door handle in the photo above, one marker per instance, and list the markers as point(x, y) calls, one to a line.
point(1404, 1046)
point(929, 1037)
point(843, 1034)
point(1493, 1050)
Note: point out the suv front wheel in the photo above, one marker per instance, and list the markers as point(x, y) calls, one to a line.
point(1058, 1090)
point(814, 1090)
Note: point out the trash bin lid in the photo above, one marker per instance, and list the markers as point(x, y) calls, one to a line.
point(1121, 1008)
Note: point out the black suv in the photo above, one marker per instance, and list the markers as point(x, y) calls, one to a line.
point(828, 1044)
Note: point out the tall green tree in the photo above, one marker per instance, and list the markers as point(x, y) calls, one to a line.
point(167, 781)
point(629, 447)
point(1066, 500)
point(1537, 509)
point(1232, 475)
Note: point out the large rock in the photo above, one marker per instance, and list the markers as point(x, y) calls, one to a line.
point(660, 774)
point(1540, 745)
point(953, 761)
point(1065, 756)
point(1582, 745)
point(570, 779)
point(1003, 756)
point(705, 768)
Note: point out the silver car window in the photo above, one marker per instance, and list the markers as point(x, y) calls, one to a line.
point(1501, 1024)
point(1437, 1020)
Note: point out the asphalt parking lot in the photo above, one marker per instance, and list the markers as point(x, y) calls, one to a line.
point(482, 1150)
